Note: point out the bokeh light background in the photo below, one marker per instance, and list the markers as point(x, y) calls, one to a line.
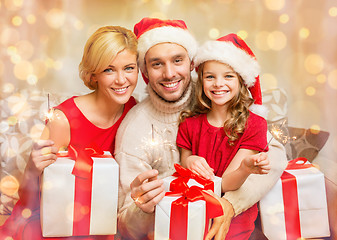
point(295, 42)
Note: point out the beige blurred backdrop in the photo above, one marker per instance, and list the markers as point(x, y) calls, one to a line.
point(295, 42)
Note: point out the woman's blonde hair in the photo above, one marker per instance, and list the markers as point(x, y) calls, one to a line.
point(101, 48)
point(238, 107)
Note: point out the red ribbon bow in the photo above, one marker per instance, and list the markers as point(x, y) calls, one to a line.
point(83, 160)
point(184, 175)
point(298, 163)
point(179, 207)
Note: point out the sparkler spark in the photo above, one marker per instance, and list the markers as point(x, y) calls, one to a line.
point(155, 144)
point(277, 133)
point(50, 113)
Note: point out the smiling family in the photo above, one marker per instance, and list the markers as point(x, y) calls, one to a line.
point(212, 126)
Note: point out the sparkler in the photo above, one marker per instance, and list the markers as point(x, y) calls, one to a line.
point(151, 145)
point(152, 133)
point(49, 113)
point(155, 144)
point(278, 133)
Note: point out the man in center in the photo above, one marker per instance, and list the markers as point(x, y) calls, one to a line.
point(146, 140)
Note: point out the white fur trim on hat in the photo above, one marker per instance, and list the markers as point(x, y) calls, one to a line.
point(165, 34)
point(227, 52)
point(260, 110)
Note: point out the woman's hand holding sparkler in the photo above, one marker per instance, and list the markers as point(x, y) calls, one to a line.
point(43, 154)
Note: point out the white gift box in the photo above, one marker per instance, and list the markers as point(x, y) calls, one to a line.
point(312, 207)
point(192, 182)
point(57, 197)
point(196, 220)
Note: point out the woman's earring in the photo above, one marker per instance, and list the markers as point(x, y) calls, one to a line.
point(93, 83)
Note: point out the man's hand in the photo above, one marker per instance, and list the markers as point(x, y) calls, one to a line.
point(220, 225)
point(147, 190)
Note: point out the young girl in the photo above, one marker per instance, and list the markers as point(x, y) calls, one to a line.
point(109, 68)
point(220, 135)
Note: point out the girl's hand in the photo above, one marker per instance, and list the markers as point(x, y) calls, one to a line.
point(257, 163)
point(43, 154)
point(199, 166)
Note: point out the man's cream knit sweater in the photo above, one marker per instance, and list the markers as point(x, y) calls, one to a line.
point(146, 139)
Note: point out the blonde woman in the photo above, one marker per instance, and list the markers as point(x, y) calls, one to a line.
point(109, 68)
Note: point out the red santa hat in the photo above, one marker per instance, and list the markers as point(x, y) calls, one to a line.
point(152, 31)
point(232, 50)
